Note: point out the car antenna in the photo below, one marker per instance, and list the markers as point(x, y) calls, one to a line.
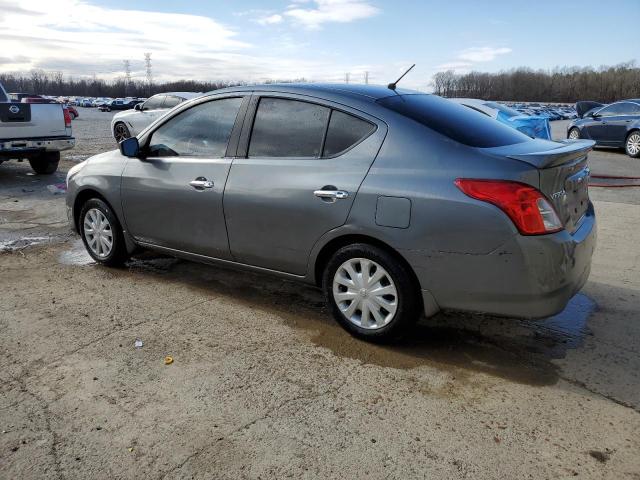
point(393, 85)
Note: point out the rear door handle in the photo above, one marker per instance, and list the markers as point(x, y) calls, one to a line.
point(333, 194)
point(201, 183)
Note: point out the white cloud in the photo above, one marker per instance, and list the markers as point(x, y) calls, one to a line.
point(98, 36)
point(324, 11)
point(482, 54)
point(270, 20)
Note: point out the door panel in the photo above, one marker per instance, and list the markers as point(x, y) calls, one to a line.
point(162, 208)
point(173, 198)
point(273, 216)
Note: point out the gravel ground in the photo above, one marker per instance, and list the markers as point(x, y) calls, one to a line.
point(263, 384)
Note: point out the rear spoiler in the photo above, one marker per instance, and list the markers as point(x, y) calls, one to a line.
point(569, 151)
point(585, 106)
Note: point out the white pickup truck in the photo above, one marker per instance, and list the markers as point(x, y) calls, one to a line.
point(37, 132)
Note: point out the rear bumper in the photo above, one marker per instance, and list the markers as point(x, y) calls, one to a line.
point(28, 147)
point(527, 277)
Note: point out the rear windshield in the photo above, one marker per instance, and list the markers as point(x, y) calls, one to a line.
point(455, 121)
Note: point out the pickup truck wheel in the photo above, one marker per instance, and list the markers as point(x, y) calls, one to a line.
point(102, 234)
point(371, 294)
point(45, 164)
point(120, 132)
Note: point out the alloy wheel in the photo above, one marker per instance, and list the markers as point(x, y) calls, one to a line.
point(574, 134)
point(633, 144)
point(365, 293)
point(120, 132)
point(98, 233)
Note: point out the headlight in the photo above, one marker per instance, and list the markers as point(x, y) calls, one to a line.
point(74, 170)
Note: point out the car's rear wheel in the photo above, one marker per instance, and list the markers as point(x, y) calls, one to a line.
point(101, 233)
point(632, 145)
point(371, 293)
point(120, 132)
point(46, 163)
point(574, 134)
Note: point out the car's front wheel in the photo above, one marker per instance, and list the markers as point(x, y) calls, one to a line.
point(101, 233)
point(574, 134)
point(632, 145)
point(46, 163)
point(120, 132)
point(371, 293)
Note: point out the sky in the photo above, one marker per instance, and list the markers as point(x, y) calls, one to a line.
point(319, 40)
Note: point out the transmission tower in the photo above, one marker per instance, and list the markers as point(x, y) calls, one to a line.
point(346, 77)
point(147, 62)
point(366, 78)
point(127, 76)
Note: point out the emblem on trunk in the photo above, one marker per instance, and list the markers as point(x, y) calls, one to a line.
point(560, 194)
point(14, 109)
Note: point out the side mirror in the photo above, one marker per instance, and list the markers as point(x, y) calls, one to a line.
point(130, 147)
point(138, 106)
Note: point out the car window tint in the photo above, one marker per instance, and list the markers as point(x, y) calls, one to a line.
point(3, 97)
point(288, 128)
point(454, 121)
point(345, 131)
point(476, 109)
point(154, 102)
point(172, 101)
point(200, 131)
point(633, 109)
point(615, 109)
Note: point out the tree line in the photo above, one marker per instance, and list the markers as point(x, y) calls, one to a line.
point(563, 85)
point(55, 84)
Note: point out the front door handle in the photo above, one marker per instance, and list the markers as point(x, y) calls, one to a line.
point(201, 183)
point(331, 194)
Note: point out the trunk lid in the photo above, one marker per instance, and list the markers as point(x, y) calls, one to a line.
point(564, 174)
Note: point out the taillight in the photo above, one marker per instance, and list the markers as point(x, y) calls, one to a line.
point(67, 117)
point(526, 206)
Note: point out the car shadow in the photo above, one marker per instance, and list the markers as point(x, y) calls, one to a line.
point(518, 350)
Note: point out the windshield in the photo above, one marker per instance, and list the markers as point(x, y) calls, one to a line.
point(509, 112)
point(453, 120)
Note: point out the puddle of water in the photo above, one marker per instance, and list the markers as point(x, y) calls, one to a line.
point(567, 329)
point(22, 243)
point(77, 255)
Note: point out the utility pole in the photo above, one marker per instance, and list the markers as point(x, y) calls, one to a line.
point(127, 76)
point(366, 78)
point(346, 77)
point(147, 62)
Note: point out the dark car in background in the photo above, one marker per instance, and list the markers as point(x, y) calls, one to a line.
point(119, 104)
point(614, 125)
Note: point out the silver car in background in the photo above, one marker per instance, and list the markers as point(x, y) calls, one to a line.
point(393, 202)
point(130, 123)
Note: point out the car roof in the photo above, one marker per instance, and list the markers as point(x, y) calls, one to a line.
point(355, 91)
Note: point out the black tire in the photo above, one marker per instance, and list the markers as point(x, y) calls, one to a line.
point(576, 130)
point(46, 163)
point(120, 132)
point(408, 300)
point(635, 135)
point(118, 254)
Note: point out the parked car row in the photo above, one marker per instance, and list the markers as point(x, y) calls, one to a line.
point(551, 111)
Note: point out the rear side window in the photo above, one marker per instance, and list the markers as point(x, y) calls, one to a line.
point(172, 101)
point(288, 128)
point(200, 131)
point(154, 102)
point(455, 121)
point(345, 131)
